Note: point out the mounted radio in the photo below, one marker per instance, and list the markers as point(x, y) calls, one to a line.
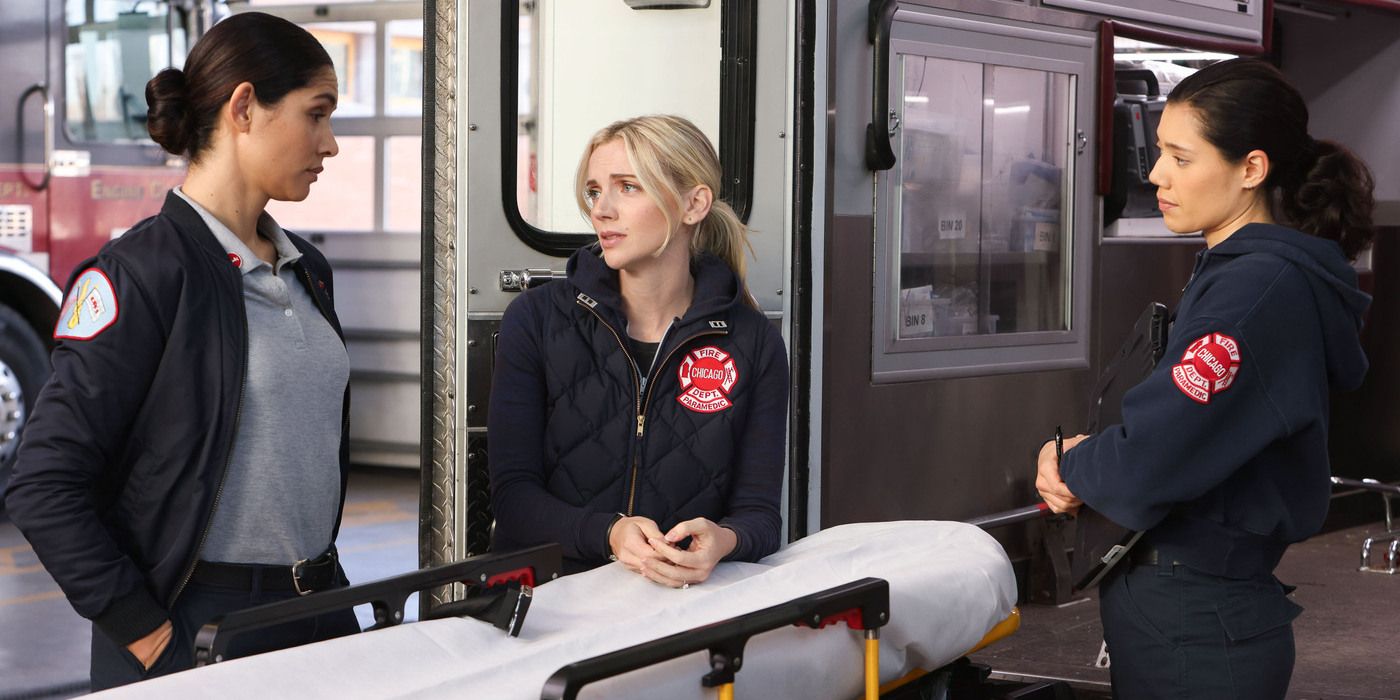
point(1137, 109)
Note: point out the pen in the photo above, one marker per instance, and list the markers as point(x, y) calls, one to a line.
point(1059, 444)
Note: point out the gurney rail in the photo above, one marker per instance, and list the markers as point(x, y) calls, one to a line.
point(1367, 484)
point(516, 572)
point(862, 605)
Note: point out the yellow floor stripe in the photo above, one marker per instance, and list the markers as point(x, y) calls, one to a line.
point(17, 570)
point(378, 545)
point(35, 598)
point(9, 566)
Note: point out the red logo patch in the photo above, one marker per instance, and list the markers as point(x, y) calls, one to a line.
point(707, 376)
point(236, 260)
point(1208, 367)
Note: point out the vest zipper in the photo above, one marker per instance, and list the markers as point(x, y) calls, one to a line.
point(646, 401)
point(640, 403)
point(636, 392)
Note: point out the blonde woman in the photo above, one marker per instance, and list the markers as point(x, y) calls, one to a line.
point(638, 408)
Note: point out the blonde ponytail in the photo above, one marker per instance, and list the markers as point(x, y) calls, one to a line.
point(724, 236)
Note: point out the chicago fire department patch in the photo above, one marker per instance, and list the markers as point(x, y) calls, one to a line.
point(708, 376)
point(90, 308)
point(1208, 367)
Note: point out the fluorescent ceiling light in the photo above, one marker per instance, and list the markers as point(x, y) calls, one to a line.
point(1174, 56)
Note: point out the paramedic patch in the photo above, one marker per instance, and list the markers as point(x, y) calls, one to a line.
point(90, 308)
point(1208, 367)
point(707, 378)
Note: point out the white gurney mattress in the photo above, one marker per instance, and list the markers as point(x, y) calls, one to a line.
point(950, 583)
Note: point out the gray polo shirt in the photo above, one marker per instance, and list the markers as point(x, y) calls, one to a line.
point(282, 488)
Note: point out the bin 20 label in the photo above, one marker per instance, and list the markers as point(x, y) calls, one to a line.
point(952, 227)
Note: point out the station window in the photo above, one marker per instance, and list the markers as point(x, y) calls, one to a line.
point(403, 72)
point(575, 67)
point(112, 48)
point(374, 185)
point(351, 48)
point(983, 223)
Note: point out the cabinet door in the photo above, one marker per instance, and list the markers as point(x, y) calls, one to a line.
point(984, 225)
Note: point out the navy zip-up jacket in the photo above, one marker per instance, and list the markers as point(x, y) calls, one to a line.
point(574, 439)
point(1222, 453)
point(119, 470)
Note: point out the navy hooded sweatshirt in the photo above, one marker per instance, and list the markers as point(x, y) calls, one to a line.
point(1222, 453)
point(578, 433)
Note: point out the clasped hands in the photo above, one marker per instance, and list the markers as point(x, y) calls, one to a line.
point(639, 545)
point(1048, 482)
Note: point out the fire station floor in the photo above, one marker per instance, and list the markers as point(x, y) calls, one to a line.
point(1345, 639)
point(44, 644)
point(1346, 636)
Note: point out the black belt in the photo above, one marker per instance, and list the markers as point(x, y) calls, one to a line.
point(305, 576)
point(1146, 556)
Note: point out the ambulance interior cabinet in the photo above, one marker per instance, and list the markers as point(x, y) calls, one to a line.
point(984, 225)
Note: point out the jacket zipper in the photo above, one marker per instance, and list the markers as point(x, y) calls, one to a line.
point(345, 414)
point(1195, 270)
point(228, 457)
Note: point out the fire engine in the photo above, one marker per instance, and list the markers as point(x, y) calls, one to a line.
point(77, 169)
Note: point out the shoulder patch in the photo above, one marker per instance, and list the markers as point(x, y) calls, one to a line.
point(1208, 367)
point(91, 307)
point(707, 377)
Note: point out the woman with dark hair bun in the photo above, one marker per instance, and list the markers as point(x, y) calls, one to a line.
point(188, 457)
point(1221, 459)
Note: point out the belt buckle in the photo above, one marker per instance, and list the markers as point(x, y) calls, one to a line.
point(326, 558)
point(296, 577)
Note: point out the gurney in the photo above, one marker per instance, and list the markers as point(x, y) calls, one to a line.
point(949, 586)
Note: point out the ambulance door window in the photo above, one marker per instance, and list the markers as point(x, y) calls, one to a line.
point(112, 48)
point(583, 65)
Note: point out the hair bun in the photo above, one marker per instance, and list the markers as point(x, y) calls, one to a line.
point(1333, 197)
point(168, 118)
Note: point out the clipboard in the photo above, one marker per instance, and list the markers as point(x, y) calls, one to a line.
point(1100, 543)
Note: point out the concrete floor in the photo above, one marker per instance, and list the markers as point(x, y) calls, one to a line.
point(44, 644)
point(1346, 637)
